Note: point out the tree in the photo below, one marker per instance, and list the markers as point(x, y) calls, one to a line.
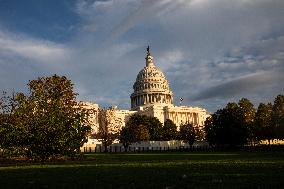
point(278, 116)
point(169, 130)
point(200, 134)
point(154, 128)
point(187, 134)
point(141, 133)
point(211, 129)
point(247, 116)
point(127, 136)
point(11, 135)
point(131, 134)
point(53, 123)
point(108, 129)
point(232, 131)
point(265, 130)
point(153, 125)
point(225, 127)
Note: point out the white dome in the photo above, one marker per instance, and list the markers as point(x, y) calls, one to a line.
point(151, 79)
point(151, 86)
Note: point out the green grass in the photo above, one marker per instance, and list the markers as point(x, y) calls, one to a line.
point(148, 170)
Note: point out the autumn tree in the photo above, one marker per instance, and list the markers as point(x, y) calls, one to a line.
point(12, 135)
point(140, 128)
point(108, 128)
point(141, 133)
point(153, 125)
point(131, 134)
point(51, 121)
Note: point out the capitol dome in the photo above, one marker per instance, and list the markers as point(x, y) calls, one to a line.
point(151, 86)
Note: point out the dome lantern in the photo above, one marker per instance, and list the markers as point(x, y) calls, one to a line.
point(149, 58)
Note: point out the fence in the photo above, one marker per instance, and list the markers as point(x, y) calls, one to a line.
point(120, 149)
point(130, 149)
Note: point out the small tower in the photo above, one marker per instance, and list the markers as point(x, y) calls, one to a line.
point(149, 58)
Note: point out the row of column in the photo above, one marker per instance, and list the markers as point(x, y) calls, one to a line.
point(184, 117)
point(150, 86)
point(151, 98)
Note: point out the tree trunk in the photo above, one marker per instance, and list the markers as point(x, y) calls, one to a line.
point(105, 145)
point(125, 148)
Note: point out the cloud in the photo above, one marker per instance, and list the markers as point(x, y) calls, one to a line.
point(211, 51)
point(23, 58)
point(37, 50)
point(147, 10)
point(254, 71)
point(243, 85)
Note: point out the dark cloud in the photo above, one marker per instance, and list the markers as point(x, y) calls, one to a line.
point(244, 85)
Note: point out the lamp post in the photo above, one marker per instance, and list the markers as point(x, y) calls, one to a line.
point(180, 101)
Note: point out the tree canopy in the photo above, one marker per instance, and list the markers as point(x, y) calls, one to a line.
point(188, 134)
point(237, 124)
point(225, 127)
point(153, 125)
point(169, 130)
point(278, 116)
point(50, 119)
point(265, 130)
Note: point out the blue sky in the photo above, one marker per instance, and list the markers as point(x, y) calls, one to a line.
point(211, 51)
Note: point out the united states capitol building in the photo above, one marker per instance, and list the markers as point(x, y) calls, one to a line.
point(152, 96)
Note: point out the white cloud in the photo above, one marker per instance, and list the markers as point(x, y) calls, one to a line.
point(37, 50)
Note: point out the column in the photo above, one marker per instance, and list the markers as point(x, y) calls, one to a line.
point(136, 100)
point(197, 119)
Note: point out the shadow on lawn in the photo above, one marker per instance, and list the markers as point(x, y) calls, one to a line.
point(170, 174)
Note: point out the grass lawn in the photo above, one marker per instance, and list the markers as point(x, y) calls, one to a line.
point(149, 170)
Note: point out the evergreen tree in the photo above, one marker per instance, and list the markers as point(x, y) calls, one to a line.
point(126, 136)
point(263, 123)
point(247, 116)
point(169, 130)
point(225, 127)
point(187, 134)
point(278, 116)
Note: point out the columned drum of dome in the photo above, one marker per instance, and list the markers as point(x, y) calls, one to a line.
point(151, 87)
